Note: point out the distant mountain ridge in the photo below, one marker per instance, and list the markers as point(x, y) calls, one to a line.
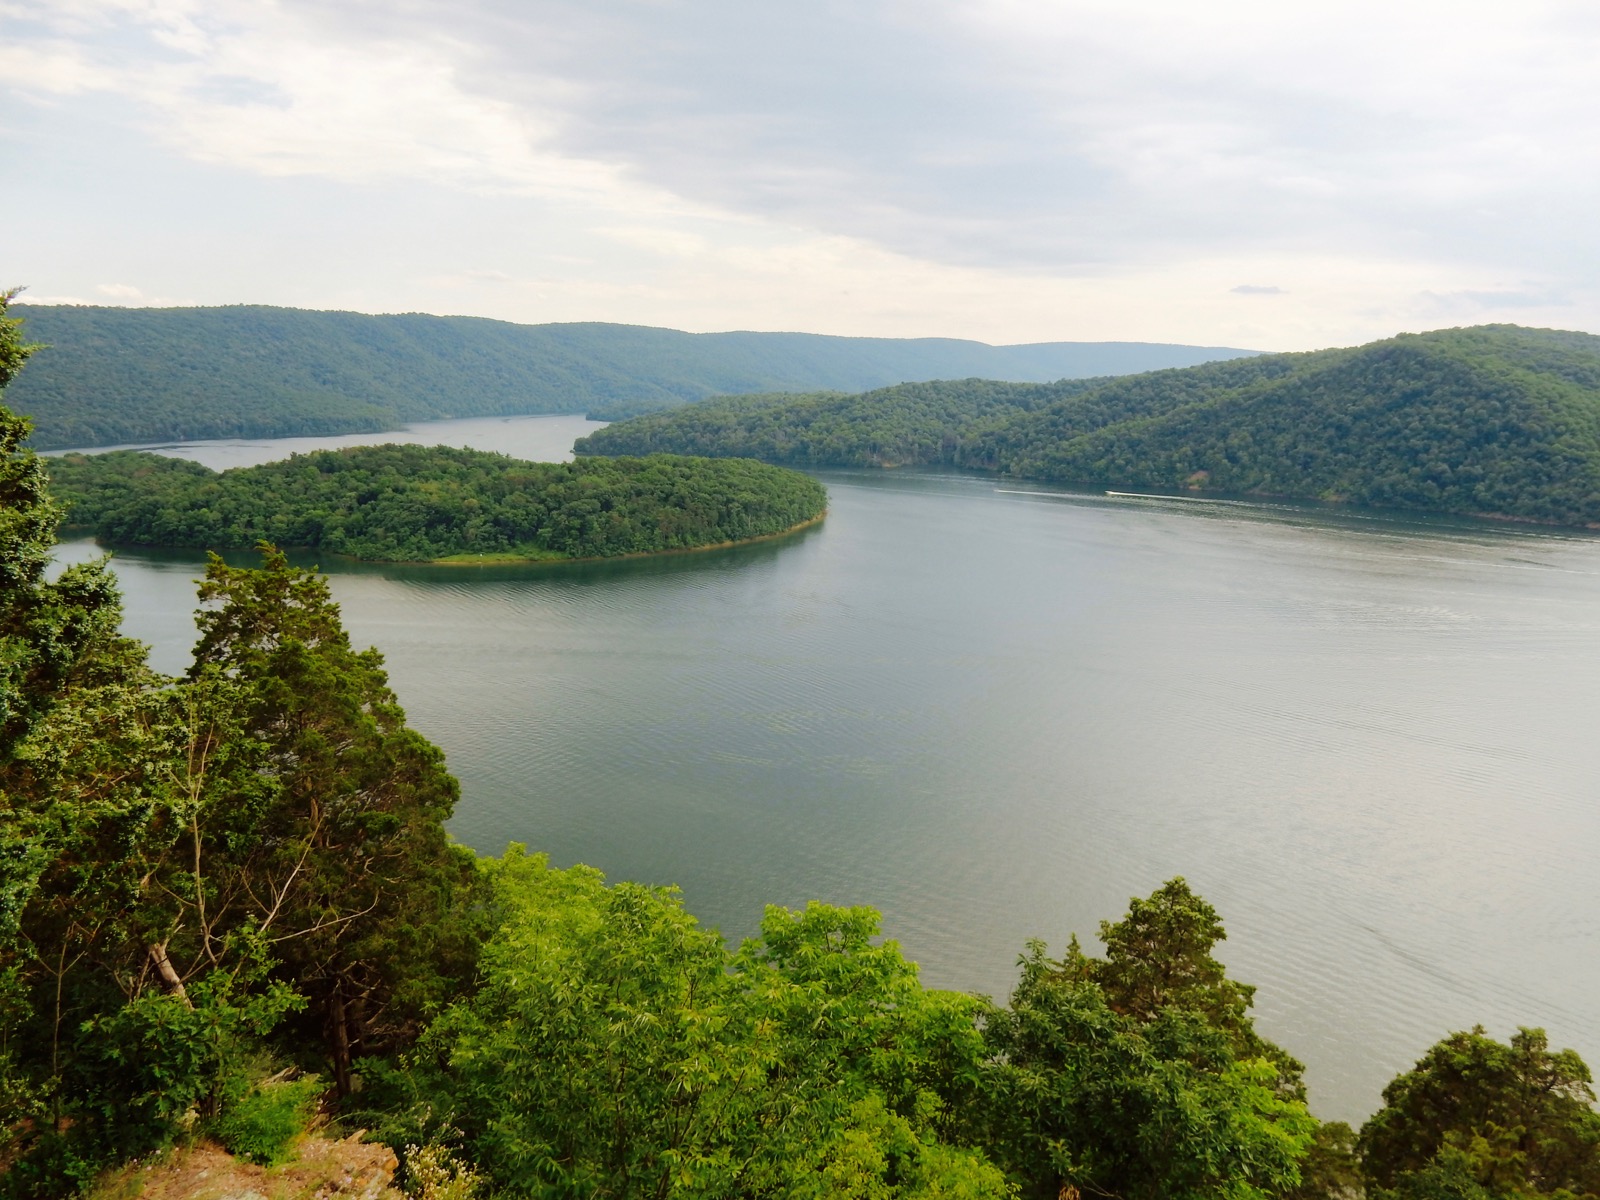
point(114, 375)
point(1495, 420)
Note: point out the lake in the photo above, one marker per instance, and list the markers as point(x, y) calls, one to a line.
point(995, 713)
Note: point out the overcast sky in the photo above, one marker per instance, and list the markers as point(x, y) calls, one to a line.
point(1271, 175)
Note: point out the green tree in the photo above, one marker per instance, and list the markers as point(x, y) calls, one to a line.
point(1159, 957)
point(1331, 1169)
point(46, 628)
point(868, 1074)
point(204, 857)
point(615, 1048)
point(1139, 1075)
point(141, 951)
point(372, 897)
point(1486, 1118)
point(58, 640)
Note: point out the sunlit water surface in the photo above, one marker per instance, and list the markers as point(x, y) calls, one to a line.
point(995, 714)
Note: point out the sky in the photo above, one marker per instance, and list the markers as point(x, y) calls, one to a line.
point(1265, 175)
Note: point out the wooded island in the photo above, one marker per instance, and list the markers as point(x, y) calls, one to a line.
point(404, 503)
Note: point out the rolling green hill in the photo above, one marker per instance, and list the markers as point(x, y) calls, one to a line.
point(114, 375)
point(1494, 420)
point(949, 421)
point(428, 504)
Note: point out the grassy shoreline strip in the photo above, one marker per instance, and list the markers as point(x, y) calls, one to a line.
point(519, 560)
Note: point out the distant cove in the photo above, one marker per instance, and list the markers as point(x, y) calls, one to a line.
point(997, 714)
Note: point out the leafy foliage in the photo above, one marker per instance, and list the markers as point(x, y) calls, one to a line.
point(367, 891)
point(1477, 1117)
point(141, 375)
point(413, 503)
point(261, 1124)
point(910, 424)
point(1331, 1169)
point(1159, 957)
point(203, 857)
point(1495, 420)
point(615, 1048)
point(55, 637)
point(1140, 1075)
point(47, 630)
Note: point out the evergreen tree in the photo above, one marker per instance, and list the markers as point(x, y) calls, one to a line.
point(1476, 1117)
point(1140, 1075)
point(1159, 957)
point(46, 628)
point(370, 892)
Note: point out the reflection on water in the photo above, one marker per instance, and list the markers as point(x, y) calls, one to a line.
point(996, 714)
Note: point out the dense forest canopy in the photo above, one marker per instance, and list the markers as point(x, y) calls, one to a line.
point(950, 422)
point(115, 375)
point(1494, 420)
point(404, 503)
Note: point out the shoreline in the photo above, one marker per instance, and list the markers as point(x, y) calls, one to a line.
point(513, 560)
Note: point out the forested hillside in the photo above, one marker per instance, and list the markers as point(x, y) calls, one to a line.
point(1493, 420)
point(949, 422)
point(423, 504)
point(112, 375)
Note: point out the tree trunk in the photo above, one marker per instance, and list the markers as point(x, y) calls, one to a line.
point(163, 965)
point(341, 1038)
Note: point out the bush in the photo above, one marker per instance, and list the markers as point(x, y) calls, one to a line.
point(433, 1172)
point(262, 1124)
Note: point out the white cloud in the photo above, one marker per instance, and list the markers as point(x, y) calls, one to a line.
point(995, 168)
point(268, 87)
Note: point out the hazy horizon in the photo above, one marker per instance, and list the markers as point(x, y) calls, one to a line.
point(1240, 176)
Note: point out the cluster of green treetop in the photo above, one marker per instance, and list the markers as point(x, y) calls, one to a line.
point(117, 375)
point(403, 503)
point(1494, 420)
point(228, 900)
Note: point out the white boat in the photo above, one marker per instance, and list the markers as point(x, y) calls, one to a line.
point(1185, 499)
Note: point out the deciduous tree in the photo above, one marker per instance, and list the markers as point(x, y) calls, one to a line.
point(616, 1049)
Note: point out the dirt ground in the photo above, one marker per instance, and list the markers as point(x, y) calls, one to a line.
point(325, 1170)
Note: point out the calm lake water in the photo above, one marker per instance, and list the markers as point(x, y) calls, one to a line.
point(996, 713)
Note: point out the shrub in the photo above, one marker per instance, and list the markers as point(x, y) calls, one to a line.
point(263, 1123)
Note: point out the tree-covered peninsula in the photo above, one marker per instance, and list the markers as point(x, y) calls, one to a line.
point(1495, 420)
point(403, 503)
